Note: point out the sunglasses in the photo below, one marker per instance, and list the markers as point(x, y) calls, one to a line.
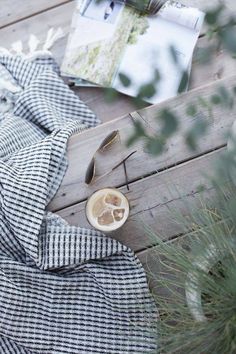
point(91, 169)
point(107, 142)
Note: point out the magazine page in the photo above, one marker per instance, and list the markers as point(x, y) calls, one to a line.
point(176, 12)
point(108, 38)
point(151, 51)
point(99, 35)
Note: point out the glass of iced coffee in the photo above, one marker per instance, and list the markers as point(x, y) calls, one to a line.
point(107, 209)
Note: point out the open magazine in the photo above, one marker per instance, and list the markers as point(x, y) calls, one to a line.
point(108, 38)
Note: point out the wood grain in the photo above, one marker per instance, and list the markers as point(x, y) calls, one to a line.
point(106, 111)
point(39, 25)
point(82, 146)
point(153, 198)
point(12, 11)
point(221, 65)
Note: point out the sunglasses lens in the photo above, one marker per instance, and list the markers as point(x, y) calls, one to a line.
point(90, 173)
point(109, 140)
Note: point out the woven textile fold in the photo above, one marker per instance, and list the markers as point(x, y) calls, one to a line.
point(63, 289)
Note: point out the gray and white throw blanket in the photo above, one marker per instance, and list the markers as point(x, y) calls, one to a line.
point(63, 289)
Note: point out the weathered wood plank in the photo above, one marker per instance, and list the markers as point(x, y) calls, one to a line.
point(106, 111)
point(11, 12)
point(151, 200)
point(39, 25)
point(73, 188)
point(222, 65)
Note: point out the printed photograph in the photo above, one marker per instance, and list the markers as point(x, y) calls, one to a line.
point(105, 11)
point(96, 58)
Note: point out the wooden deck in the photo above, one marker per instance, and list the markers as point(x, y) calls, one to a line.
point(156, 184)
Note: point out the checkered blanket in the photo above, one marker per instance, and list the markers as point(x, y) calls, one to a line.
point(63, 289)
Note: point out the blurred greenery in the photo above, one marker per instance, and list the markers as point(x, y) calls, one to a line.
point(224, 33)
point(209, 230)
point(195, 288)
point(211, 225)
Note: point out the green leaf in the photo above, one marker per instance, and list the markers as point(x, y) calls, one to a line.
point(212, 16)
point(174, 54)
point(154, 146)
point(147, 91)
point(190, 141)
point(226, 98)
point(224, 93)
point(228, 36)
point(197, 131)
point(139, 132)
point(139, 102)
point(139, 128)
point(215, 99)
point(204, 55)
point(183, 82)
point(191, 110)
point(125, 80)
point(132, 139)
point(203, 102)
point(110, 95)
point(169, 123)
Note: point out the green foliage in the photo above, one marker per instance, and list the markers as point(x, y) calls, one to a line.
point(202, 261)
point(198, 129)
point(139, 132)
point(147, 91)
point(174, 54)
point(183, 82)
point(152, 144)
point(213, 16)
point(226, 97)
point(191, 110)
point(155, 145)
point(125, 80)
point(225, 35)
point(205, 55)
point(210, 227)
point(169, 123)
point(215, 99)
point(228, 38)
point(110, 95)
